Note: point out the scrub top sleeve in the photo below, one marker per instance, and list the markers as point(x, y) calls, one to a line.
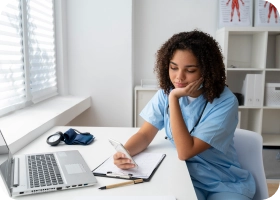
point(153, 112)
point(218, 125)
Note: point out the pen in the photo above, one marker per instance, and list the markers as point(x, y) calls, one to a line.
point(122, 184)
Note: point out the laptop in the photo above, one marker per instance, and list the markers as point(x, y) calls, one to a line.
point(43, 172)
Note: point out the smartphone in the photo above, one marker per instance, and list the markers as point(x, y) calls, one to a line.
point(119, 147)
point(201, 86)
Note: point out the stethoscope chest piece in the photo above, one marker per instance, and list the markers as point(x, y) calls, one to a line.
point(55, 139)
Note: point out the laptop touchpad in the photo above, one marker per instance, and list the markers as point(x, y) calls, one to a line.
point(75, 169)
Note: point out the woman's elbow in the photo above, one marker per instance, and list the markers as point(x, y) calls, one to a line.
point(184, 156)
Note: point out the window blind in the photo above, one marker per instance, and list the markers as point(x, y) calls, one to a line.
point(12, 79)
point(41, 45)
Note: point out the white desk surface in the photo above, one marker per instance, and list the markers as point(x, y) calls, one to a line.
point(171, 178)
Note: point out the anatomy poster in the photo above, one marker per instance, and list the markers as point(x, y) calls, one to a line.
point(235, 13)
point(266, 14)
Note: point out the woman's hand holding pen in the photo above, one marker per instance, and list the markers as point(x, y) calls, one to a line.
point(122, 162)
point(190, 90)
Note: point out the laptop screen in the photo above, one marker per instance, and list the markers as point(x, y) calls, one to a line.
point(5, 162)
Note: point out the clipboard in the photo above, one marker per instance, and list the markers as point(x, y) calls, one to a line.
point(126, 174)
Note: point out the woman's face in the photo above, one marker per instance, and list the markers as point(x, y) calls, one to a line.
point(183, 68)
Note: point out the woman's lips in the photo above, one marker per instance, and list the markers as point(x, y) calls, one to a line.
point(180, 85)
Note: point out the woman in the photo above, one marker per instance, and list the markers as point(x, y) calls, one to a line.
point(199, 114)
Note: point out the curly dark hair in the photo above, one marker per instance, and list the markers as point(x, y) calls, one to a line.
point(209, 56)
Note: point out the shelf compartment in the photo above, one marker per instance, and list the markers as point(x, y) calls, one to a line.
point(247, 50)
point(250, 119)
point(273, 51)
point(272, 77)
point(235, 79)
point(271, 119)
point(271, 139)
point(142, 96)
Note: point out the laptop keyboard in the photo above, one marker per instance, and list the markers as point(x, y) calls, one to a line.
point(43, 171)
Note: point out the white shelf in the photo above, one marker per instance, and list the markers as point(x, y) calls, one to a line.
point(243, 69)
point(252, 51)
point(272, 69)
point(249, 107)
point(142, 96)
point(271, 139)
point(150, 87)
point(249, 30)
point(272, 108)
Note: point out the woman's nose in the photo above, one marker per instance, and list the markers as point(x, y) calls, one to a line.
point(180, 76)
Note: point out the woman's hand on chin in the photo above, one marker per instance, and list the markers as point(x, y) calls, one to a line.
point(192, 89)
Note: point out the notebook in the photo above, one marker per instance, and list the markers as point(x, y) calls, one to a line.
point(148, 163)
point(43, 172)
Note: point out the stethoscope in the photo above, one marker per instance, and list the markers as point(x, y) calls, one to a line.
point(197, 122)
point(56, 138)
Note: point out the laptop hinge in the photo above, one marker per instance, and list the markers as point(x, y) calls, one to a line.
point(16, 172)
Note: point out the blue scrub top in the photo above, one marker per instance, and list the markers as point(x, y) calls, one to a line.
point(216, 169)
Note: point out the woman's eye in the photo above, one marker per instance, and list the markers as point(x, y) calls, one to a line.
point(173, 68)
point(190, 70)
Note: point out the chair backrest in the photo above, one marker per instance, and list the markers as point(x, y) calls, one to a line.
point(249, 146)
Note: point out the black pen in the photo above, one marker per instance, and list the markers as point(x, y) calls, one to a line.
point(122, 184)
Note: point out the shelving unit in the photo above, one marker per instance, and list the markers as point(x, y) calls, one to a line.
point(252, 50)
point(142, 96)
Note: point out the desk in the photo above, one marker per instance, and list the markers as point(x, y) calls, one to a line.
point(171, 179)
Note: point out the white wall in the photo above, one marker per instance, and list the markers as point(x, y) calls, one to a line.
point(155, 21)
point(104, 37)
point(99, 43)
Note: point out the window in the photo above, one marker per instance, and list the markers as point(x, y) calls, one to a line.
point(27, 54)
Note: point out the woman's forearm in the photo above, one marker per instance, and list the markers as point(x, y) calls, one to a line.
point(182, 138)
point(141, 140)
point(136, 144)
point(187, 146)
